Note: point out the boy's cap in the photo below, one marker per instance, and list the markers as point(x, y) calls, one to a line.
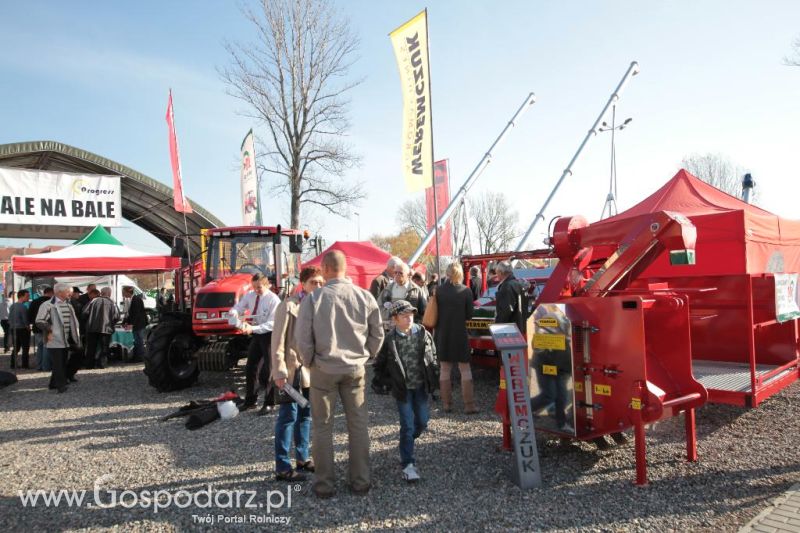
point(399, 307)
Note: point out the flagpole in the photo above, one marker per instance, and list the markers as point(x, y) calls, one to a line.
point(433, 166)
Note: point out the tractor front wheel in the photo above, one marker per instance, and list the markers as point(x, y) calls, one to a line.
point(170, 362)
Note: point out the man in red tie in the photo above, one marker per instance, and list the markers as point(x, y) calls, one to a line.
point(259, 305)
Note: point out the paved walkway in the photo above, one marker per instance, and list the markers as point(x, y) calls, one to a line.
point(783, 516)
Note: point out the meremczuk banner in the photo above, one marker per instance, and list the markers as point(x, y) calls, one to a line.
point(410, 43)
point(786, 307)
point(36, 197)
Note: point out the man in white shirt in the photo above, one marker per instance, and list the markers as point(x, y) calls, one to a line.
point(259, 307)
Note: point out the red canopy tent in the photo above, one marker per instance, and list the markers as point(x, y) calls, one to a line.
point(364, 260)
point(733, 237)
point(741, 351)
point(96, 253)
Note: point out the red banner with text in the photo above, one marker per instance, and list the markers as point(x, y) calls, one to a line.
point(442, 180)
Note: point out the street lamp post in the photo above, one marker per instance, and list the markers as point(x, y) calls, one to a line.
point(611, 198)
point(358, 224)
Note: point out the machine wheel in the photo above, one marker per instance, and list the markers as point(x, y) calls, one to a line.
point(169, 362)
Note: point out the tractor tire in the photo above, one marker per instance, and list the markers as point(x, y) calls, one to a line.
point(169, 361)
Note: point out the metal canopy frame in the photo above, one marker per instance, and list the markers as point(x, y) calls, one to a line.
point(146, 202)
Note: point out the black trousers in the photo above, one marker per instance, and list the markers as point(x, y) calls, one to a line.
point(6, 332)
point(66, 362)
point(22, 341)
point(58, 378)
point(258, 350)
point(93, 341)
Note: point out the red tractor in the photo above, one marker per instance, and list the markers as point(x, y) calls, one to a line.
point(199, 336)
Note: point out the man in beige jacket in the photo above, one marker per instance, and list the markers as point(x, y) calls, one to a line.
point(294, 422)
point(338, 330)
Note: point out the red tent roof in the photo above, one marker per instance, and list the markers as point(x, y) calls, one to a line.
point(364, 260)
point(689, 196)
point(744, 237)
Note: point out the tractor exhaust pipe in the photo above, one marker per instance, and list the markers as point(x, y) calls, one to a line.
point(748, 184)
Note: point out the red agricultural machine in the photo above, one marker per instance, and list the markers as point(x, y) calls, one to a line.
point(653, 313)
point(199, 337)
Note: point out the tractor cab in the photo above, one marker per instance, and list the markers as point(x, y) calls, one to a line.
point(232, 256)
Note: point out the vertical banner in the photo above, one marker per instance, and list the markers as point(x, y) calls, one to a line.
point(442, 176)
point(179, 201)
point(251, 208)
point(410, 43)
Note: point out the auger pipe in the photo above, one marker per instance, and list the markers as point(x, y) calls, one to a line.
point(633, 70)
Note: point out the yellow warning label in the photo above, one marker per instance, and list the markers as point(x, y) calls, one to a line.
point(503, 384)
point(548, 322)
point(549, 341)
point(636, 403)
point(550, 370)
point(602, 390)
point(579, 386)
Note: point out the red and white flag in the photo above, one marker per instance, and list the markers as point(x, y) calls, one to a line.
point(441, 176)
point(179, 200)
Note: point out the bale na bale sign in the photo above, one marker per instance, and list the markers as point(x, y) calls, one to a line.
point(35, 197)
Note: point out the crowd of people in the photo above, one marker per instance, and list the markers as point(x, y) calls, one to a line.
point(71, 329)
point(320, 340)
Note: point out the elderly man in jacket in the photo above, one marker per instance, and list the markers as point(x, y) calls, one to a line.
point(338, 330)
point(57, 321)
point(402, 288)
point(382, 280)
point(508, 308)
point(100, 314)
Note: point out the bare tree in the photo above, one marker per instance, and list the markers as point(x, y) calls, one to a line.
point(413, 215)
point(496, 222)
point(717, 170)
point(294, 78)
point(794, 59)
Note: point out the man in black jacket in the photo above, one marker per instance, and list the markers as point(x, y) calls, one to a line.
point(137, 319)
point(508, 309)
point(43, 358)
point(100, 315)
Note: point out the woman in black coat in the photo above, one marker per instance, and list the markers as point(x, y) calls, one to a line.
point(454, 301)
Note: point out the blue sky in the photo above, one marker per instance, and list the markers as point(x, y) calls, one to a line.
point(96, 74)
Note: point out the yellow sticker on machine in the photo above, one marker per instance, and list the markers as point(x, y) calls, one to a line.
point(478, 324)
point(602, 390)
point(636, 403)
point(579, 386)
point(549, 341)
point(547, 322)
point(550, 370)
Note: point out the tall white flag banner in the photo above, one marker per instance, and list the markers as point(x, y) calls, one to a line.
point(410, 43)
point(250, 207)
point(59, 198)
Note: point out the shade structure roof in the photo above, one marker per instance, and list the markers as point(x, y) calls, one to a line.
point(98, 252)
point(145, 201)
point(733, 237)
point(364, 260)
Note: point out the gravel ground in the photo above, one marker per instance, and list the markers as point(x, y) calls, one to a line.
point(108, 424)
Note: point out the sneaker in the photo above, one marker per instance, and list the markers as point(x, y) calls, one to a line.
point(410, 473)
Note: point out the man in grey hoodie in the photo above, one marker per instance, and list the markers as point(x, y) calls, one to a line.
point(57, 321)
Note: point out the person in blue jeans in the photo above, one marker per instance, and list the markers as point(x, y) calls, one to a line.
point(294, 422)
point(407, 364)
